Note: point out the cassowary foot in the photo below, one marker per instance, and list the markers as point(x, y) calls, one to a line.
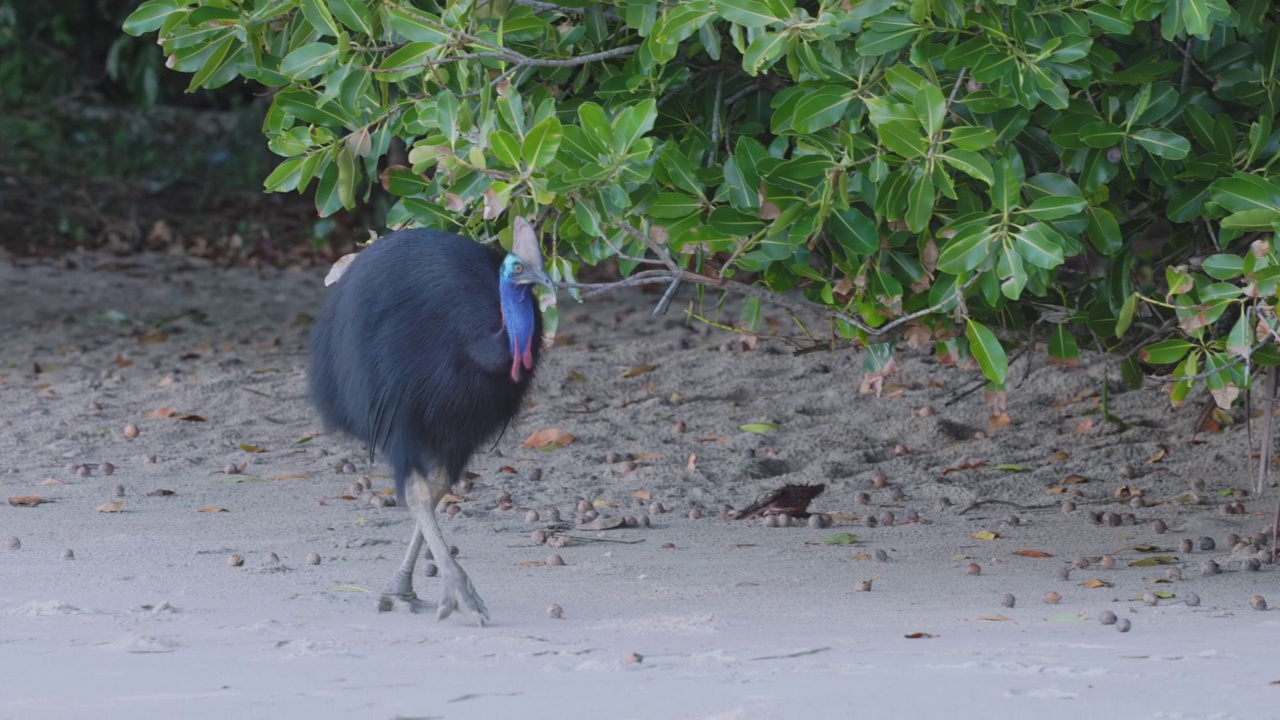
point(401, 602)
point(460, 595)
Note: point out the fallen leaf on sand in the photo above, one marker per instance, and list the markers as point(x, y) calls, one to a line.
point(1096, 583)
point(920, 636)
point(110, 507)
point(1058, 457)
point(160, 493)
point(26, 500)
point(251, 448)
point(602, 524)
point(985, 535)
point(289, 477)
point(993, 618)
point(1154, 560)
point(211, 510)
point(1074, 480)
point(642, 494)
point(637, 370)
point(530, 563)
point(860, 556)
point(159, 413)
point(964, 466)
point(548, 436)
point(837, 539)
point(759, 428)
point(1032, 553)
point(1160, 455)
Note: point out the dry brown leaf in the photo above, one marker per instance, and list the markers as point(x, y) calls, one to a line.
point(920, 636)
point(860, 556)
point(52, 481)
point(188, 417)
point(26, 500)
point(994, 618)
point(1085, 426)
point(211, 510)
point(1074, 480)
point(985, 535)
point(507, 469)
point(638, 370)
point(289, 477)
point(161, 413)
point(1056, 490)
point(110, 507)
point(1159, 456)
point(122, 361)
point(548, 436)
point(450, 498)
point(530, 563)
point(642, 494)
point(1058, 457)
point(1096, 583)
point(965, 466)
point(251, 448)
point(712, 438)
point(692, 464)
point(1032, 553)
point(643, 457)
point(1125, 492)
point(996, 422)
point(153, 337)
point(160, 493)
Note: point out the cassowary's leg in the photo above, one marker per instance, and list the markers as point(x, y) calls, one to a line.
point(399, 593)
point(458, 594)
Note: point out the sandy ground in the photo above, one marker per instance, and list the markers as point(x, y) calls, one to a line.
point(690, 618)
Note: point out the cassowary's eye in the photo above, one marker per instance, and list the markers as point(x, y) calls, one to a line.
point(517, 268)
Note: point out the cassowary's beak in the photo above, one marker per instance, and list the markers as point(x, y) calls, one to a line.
point(535, 276)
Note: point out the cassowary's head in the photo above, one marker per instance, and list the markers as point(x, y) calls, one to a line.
point(521, 268)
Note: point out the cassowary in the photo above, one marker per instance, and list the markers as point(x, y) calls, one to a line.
point(424, 350)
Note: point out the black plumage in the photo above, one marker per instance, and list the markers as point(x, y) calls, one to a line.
point(416, 353)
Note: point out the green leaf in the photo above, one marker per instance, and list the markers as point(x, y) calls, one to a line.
point(970, 163)
point(308, 61)
point(920, 201)
point(820, 108)
point(1055, 207)
point(1224, 266)
point(1101, 135)
point(747, 13)
point(1104, 231)
point(855, 231)
point(1062, 346)
point(966, 251)
point(763, 52)
point(221, 54)
point(887, 33)
point(542, 143)
point(674, 205)
point(1035, 243)
point(838, 539)
point(931, 108)
point(412, 26)
point(1164, 352)
point(1243, 192)
point(355, 14)
point(506, 148)
point(1162, 143)
point(903, 138)
point(404, 182)
point(1005, 189)
point(987, 351)
point(1127, 313)
point(972, 138)
point(759, 428)
point(151, 15)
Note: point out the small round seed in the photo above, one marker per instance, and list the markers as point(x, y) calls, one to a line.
point(539, 536)
point(1080, 563)
point(1198, 485)
point(973, 569)
point(272, 559)
point(106, 468)
point(656, 508)
point(555, 560)
point(870, 521)
point(1012, 520)
point(1008, 600)
point(531, 516)
point(1231, 540)
point(1192, 600)
point(1111, 519)
point(784, 520)
point(679, 427)
point(1253, 564)
point(862, 498)
point(235, 560)
point(1128, 472)
point(1137, 503)
point(879, 481)
point(634, 658)
point(696, 514)
point(555, 612)
point(453, 510)
point(1257, 602)
point(896, 495)
point(119, 491)
point(1052, 598)
point(1068, 507)
point(1149, 598)
point(887, 518)
point(863, 586)
point(313, 558)
point(1062, 573)
point(912, 515)
point(13, 543)
point(1129, 519)
point(430, 570)
point(130, 431)
point(881, 556)
point(1173, 574)
point(68, 554)
point(83, 470)
point(553, 515)
point(771, 521)
point(348, 468)
point(1108, 562)
point(630, 521)
point(1106, 617)
point(1206, 543)
point(1185, 546)
point(1209, 568)
point(1123, 625)
point(1160, 527)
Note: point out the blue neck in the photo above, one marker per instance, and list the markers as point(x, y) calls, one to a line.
point(518, 320)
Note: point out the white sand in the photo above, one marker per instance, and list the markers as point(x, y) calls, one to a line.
point(738, 620)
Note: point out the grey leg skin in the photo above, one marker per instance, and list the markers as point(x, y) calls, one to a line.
point(458, 594)
point(399, 594)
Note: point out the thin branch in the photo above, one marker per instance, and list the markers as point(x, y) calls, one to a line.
point(549, 7)
point(653, 246)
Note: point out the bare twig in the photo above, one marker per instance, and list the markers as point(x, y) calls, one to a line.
point(653, 246)
point(1268, 428)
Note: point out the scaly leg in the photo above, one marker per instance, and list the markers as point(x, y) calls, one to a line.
point(458, 593)
point(399, 594)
